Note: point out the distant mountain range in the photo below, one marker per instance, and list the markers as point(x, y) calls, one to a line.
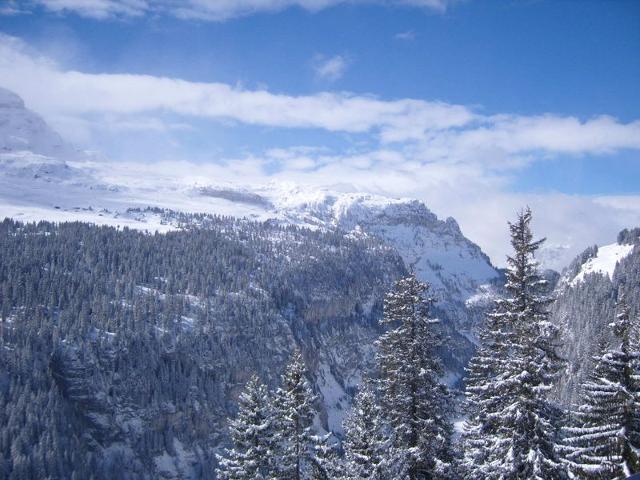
point(238, 278)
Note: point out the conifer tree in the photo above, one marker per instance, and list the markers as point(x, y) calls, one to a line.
point(603, 440)
point(484, 402)
point(252, 434)
point(512, 429)
point(296, 443)
point(365, 442)
point(413, 400)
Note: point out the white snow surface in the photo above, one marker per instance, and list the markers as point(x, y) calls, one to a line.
point(334, 398)
point(604, 262)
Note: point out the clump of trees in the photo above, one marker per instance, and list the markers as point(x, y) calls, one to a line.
point(273, 434)
point(399, 426)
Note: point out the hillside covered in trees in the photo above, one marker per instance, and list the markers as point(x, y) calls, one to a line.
point(123, 353)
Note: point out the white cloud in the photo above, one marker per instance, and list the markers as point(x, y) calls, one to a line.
point(97, 9)
point(553, 133)
point(331, 68)
point(209, 10)
point(407, 35)
point(511, 134)
point(224, 9)
point(459, 161)
point(77, 93)
point(439, 131)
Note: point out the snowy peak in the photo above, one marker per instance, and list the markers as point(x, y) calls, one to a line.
point(8, 99)
point(436, 249)
point(23, 130)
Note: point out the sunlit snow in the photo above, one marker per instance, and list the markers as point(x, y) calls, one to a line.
point(604, 262)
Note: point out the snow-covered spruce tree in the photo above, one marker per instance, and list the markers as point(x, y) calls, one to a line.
point(603, 440)
point(365, 442)
point(413, 401)
point(252, 434)
point(485, 399)
point(296, 445)
point(512, 431)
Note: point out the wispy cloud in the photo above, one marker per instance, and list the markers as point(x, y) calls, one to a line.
point(77, 93)
point(207, 10)
point(440, 131)
point(97, 9)
point(406, 35)
point(330, 68)
point(12, 8)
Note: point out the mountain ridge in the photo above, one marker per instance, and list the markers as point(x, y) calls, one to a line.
point(38, 182)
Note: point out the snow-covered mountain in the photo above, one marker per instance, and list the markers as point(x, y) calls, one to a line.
point(43, 178)
point(21, 129)
point(178, 322)
point(603, 262)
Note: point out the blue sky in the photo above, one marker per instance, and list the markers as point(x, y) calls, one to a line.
point(508, 56)
point(451, 101)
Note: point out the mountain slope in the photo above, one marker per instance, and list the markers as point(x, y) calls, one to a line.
point(148, 338)
point(132, 348)
point(585, 304)
point(42, 178)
